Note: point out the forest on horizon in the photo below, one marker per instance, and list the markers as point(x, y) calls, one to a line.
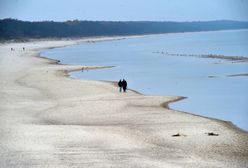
point(17, 29)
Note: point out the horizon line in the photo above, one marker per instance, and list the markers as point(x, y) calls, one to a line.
point(73, 20)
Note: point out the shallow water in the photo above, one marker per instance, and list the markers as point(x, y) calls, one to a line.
point(148, 66)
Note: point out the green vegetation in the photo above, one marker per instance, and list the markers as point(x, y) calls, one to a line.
point(16, 29)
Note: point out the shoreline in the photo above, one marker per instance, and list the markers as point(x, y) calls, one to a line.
point(165, 105)
point(54, 116)
point(179, 97)
point(229, 124)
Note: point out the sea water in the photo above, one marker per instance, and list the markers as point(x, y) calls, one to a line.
point(171, 64)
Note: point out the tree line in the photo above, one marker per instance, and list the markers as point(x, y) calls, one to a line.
point(17, 29)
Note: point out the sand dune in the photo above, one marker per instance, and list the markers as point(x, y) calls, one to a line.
point(50, 120)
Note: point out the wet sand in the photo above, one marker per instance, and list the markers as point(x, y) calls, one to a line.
point(50, 120)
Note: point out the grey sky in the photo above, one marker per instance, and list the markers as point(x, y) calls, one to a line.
point(124, 10)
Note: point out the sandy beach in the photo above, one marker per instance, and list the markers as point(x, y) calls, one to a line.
point(48, 119)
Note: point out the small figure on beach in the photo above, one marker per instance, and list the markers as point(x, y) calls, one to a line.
point(23, 48)
point(120, 85)
point(124, 85)
point(12, 49)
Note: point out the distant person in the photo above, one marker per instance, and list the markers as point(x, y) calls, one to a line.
point(120, 85)
point(124, 85)
point(23, 48)
point(12, 49)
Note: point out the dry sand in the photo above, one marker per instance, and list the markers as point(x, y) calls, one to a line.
point(50, 120)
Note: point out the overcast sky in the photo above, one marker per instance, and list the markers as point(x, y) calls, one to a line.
point(125, 10)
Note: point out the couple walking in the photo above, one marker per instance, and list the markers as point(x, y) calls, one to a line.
point(122, 85)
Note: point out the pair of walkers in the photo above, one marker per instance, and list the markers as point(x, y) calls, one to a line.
point(122, 85)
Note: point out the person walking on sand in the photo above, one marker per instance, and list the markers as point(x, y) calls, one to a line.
point(124, 85)
point(120, 85)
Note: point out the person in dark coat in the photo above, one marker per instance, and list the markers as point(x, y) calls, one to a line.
point(124, 85)
point(120, 85)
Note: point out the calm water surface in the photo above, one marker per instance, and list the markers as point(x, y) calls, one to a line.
point(210, 91)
